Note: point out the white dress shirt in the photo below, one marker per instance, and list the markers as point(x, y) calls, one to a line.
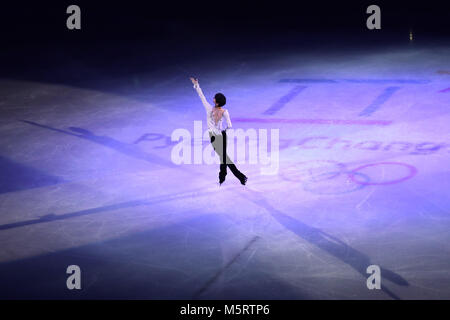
point(212, 127)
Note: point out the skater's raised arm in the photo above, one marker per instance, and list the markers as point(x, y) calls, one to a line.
point(206, 104)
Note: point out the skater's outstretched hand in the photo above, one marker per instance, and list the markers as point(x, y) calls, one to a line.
point(206, 104)
point(194, 81)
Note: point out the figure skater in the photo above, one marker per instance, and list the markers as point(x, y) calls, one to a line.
point(218, 135)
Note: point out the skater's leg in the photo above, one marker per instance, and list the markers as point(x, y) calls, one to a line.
point(218, 145)
point(222, 173)
point(242, 178)
point(217, 142)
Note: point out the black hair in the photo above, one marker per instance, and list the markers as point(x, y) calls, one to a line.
point(220, 99)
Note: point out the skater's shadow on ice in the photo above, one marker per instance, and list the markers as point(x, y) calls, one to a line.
point(357, 260)
point(122, 147)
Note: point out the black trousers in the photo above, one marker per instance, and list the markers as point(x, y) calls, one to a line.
point(219, 142)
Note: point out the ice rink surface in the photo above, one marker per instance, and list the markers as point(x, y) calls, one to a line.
point(363, 179)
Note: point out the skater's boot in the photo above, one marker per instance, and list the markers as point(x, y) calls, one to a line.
point(222, 173)
point(242, 178)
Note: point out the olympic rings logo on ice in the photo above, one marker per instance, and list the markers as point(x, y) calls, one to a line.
point(329, 177)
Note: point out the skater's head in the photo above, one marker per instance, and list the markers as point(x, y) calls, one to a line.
point(219, 100)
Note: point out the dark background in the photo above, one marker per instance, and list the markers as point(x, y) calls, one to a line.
point(131, 36)
point(38, 21)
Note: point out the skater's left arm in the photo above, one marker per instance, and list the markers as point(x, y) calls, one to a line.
point(226, 115)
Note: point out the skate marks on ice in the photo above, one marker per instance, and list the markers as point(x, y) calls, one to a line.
point(205, 287)
point(165, 262)
point(326, 242)
point(193, 193)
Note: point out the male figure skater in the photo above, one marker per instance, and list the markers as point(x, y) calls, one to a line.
point(218, 135)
